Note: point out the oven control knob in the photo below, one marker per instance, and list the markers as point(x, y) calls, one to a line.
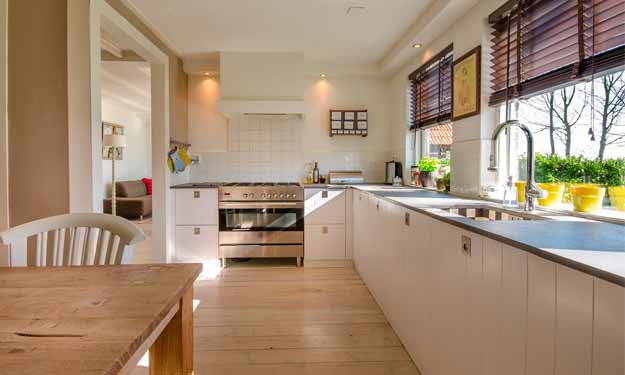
point(262, 195)
point(281, 196)
point(275, 195)
point(244, 195)
point(251, 195)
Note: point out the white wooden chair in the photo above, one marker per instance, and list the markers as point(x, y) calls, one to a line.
point(72, 240)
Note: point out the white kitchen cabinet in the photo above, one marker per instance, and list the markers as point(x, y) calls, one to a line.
point(492, 261)
point(608, 329)
point(512, 312)
point(324, 242)
point(574, 320)
point(541, 316)
point(325, 207)
point(196, 207)
point(494, 310)
point(326, 226)
point(197, 243)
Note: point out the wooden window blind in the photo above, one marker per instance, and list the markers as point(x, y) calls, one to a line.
point(539, 45)
point(429, 96)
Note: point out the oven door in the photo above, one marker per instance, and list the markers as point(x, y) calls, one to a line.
point(245, 217)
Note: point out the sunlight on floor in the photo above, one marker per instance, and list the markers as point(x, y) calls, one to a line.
point(210, 270)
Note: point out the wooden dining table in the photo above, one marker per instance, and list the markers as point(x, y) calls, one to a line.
point(97, 319)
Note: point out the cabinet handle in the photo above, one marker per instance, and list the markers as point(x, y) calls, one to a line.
point(196, 231)
point(377, 205)
point(324, 194)
point(466, 245)
point(196, 194)
point(407, 219)
point(324, 230)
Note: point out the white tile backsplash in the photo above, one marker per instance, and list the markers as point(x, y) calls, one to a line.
point(264, 149)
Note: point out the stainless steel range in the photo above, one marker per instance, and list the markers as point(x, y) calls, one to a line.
point(261, 220)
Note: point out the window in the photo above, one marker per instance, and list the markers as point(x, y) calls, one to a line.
point(564, 61)
point(429, 108)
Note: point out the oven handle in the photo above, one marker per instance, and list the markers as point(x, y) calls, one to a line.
point(252, 205)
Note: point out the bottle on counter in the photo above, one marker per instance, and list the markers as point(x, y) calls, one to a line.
point(315, 174)
point(510, 199)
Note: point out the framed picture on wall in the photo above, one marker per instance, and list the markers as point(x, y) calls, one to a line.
point(466, 85)
point(107, 152)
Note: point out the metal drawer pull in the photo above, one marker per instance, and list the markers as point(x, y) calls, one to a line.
point(407, 219)
point(196, 231)
point(196, 194)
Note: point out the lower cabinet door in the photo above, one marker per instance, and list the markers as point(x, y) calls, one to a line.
point(324, 242)
point(197, 243)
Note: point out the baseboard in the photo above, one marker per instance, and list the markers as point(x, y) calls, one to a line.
point(333, 263)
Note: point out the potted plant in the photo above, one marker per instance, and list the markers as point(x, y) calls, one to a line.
point(428, 168)
point(614, 177)
point(447, 181)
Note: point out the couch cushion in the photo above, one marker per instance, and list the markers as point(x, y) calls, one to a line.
point(131, 189)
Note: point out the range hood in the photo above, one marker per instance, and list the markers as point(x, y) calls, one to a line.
point(261, 84)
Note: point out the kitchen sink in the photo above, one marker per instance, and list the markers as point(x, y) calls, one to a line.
point(490, 213)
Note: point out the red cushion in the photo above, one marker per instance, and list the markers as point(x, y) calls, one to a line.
point(148, 184)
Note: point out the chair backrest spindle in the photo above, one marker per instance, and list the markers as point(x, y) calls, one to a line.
point(72, 239)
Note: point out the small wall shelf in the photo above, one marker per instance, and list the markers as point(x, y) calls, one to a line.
point(349, 122)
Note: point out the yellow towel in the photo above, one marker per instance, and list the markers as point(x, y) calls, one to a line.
point(170, 164)
point(182, 153)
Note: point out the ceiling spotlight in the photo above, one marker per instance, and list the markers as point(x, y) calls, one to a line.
point(207, 74)
point(322, 75)
point(417, 45)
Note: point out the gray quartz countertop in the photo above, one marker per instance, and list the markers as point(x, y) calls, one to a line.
point(592, 247)
point(198, 185)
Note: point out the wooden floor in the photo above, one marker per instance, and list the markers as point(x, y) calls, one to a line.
point(276, 319)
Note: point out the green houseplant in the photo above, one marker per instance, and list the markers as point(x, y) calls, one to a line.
point(614, 177)
point(428, 168)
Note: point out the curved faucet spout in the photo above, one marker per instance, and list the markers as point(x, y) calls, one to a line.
point(532, 191)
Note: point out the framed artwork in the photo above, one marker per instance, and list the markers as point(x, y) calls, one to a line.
point(466, 84)
point(107, 152)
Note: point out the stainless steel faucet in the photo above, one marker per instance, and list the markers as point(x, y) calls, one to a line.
point(532, 191)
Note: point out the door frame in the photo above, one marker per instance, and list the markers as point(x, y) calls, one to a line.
point(103, 15)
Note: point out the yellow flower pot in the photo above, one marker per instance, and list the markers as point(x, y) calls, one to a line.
point(617, 197)
point(554, 194)
point(520, 191)
point(587, 197)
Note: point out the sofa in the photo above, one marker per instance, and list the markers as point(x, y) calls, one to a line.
point(133, 200)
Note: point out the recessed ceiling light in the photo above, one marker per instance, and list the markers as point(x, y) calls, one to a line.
point(417, 45)
point(322, 75)
point(207, 74)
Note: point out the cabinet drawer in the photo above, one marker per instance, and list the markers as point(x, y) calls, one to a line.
point(326, 207)
point(196, 207)
point(324, 242)
point(197, 243)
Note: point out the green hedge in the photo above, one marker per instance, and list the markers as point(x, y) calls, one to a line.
point(576, 169)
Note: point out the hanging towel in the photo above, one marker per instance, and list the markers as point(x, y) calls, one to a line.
point(178, 163)
point(170, 164)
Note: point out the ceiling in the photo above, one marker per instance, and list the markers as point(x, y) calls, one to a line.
point(127, 83)
point(321, 29)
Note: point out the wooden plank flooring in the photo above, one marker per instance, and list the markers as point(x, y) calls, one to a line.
point(268, 318)
point(287, 320)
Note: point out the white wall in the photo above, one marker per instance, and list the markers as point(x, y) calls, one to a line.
point(138, 152)
point(266, 149)
point(471, 135)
